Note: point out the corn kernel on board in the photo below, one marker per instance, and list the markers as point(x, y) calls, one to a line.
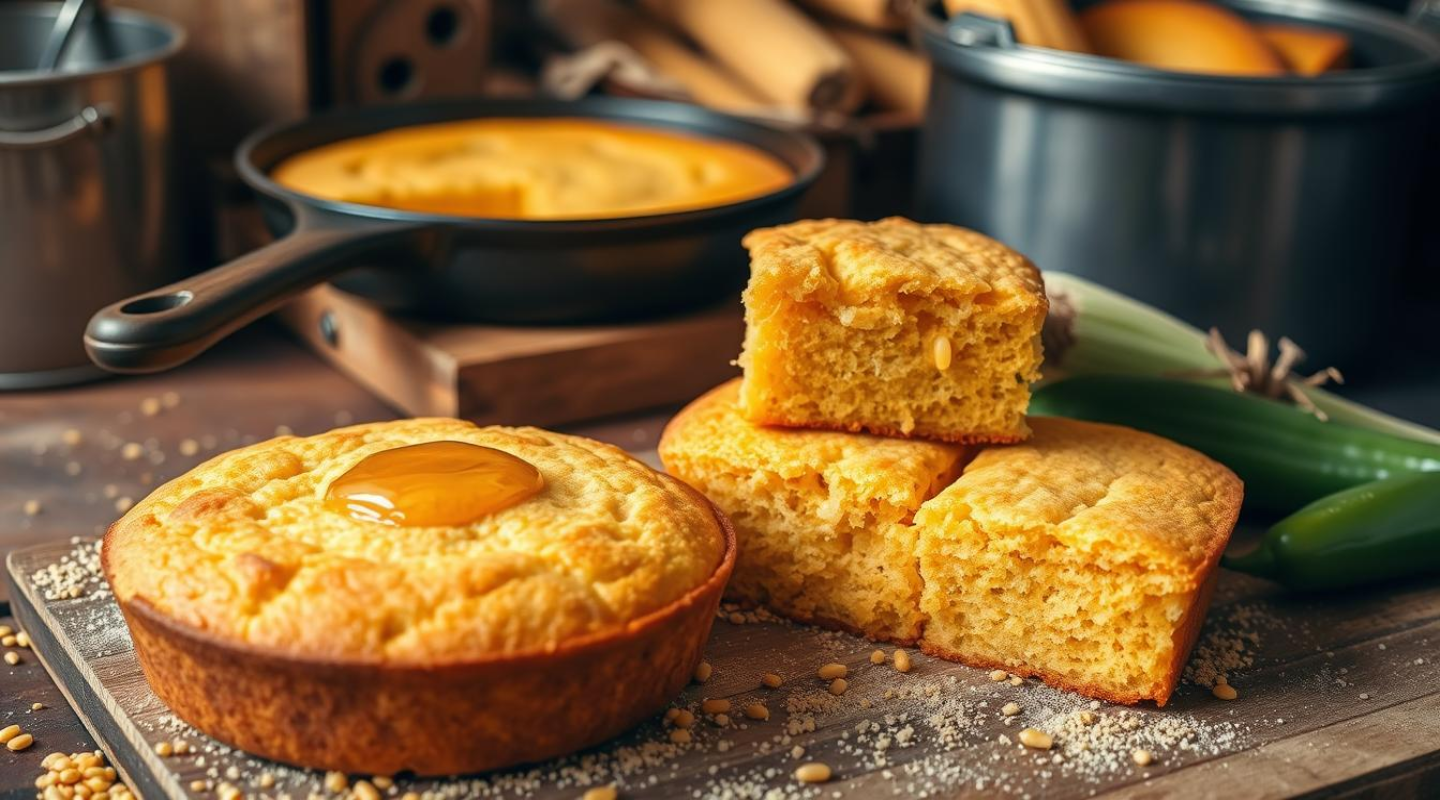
point(1336, 698)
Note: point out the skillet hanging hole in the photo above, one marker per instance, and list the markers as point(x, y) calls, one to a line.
point(442, 26)
point(396, 75)
point(156, 303)
point(329, 329)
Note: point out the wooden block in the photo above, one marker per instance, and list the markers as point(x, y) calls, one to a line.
point(519, 375)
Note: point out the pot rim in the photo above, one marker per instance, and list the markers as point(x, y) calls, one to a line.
point(176, 40)
point(1087, 78)
point(806, 159)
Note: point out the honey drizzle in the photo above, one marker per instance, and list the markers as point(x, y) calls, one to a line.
point(433, 484)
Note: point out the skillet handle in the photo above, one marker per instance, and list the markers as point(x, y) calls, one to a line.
point(165, 328)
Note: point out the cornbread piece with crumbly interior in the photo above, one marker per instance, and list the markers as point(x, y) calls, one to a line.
point(890, 327)
point(822, 519)
point(1085, 556)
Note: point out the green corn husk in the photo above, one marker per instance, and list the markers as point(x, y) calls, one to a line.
point(1096, 331)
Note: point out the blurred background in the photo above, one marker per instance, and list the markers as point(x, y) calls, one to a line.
point(1241, 164)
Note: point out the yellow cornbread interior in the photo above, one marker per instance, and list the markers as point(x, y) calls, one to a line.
point(845, 322)
point(1081, 555)
point(822, 519)
point(561, 168)
point(244, 548)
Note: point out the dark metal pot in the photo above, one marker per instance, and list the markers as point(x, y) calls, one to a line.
point(1290, 204)
point(459, 268)
point(86, 213)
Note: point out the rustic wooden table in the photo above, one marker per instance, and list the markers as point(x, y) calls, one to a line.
point(136, 433)
point(248, 388)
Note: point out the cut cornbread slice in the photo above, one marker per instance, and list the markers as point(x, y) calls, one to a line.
point(890, 327)
point(1084, 556)
point(822, 519)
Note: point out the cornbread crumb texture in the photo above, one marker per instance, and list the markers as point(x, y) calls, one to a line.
point(242, 547)
point(1081, 555)
point(565, 168)
point(890, 327)
point(822, 518)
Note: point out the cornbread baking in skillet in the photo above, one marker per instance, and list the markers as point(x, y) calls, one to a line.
point(558, 168)
point(890, 327)
point(822, 518)
point(1085, 556)
point(302, 634)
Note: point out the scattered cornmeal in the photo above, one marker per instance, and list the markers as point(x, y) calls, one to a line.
point(267, 780)
point(1224, 691)
point(839, 686)
point(1010, 709)
point(877, 657)
point(721, 720)
point(1035, 739)
point(683, 719)
point(813, 772)
point(902, 661)
point(601, 793)
point(832, 671)
point(1016, 680)
point(703, 670)
point(771, 680)
point(998, 675)
point(1142, 757)
point(1087, 718)
point(715, 705)
point(757, 711)
point(680, 736)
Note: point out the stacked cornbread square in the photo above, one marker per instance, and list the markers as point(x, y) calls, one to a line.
point(1084, 556)
point(890, 327)
point(824, 518)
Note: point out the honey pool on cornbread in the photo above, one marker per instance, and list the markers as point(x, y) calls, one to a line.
point(395, 596)
point(535, 169)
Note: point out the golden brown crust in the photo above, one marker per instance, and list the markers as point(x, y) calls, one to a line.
point(459, 717)
point(243, 546)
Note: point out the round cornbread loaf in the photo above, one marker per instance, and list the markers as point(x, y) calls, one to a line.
point(303, 635)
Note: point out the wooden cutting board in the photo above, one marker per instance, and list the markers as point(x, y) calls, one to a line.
point(1340, 697)
point(495, 374)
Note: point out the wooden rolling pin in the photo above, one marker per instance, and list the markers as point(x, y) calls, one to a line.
point(896, 78)
point(771, 46)
point(1039, 23)
point(881, 15)
point(586, 23)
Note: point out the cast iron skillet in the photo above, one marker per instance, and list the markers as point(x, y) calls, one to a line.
point(458, 268)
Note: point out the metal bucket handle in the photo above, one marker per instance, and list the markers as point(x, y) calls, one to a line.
point(91, 120)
